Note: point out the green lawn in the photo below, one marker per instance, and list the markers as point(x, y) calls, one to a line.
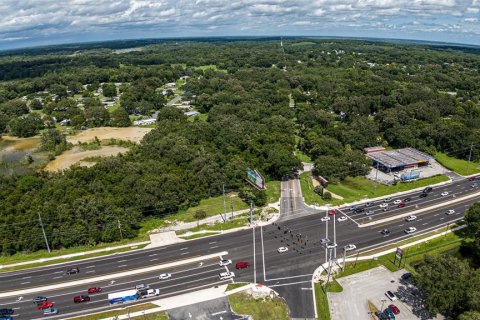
point(211, 67)
point(109, 314)
point(239, 221)
point(273, 191)
point(321, 299)
point(200, 117)
point(303, 157)
point(235, 285)
point(259, 309)
point(357, 188)
point(458, 165)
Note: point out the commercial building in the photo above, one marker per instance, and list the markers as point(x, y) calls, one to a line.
point(397, 160)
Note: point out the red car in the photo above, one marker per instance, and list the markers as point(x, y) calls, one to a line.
point(332, 212)
point(401, 205)
point(394, 309)
point(81, 298)
point(45, 305)
point(94, 290)
point(472, 178)
point(242, 265)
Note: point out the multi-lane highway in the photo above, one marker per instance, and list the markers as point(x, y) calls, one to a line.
point(300, 229)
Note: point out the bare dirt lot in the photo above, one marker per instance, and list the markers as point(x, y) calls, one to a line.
point(75, 155)
point(133, 134)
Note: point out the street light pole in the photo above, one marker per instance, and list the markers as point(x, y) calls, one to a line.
point(334, 237)
point(326, 237)
point(383, 301)
point(43, 230)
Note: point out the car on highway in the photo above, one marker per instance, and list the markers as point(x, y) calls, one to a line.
point(72, 271)
point(385, 232)
point(394, 308)
point(45, 305)
point(383, 205)
point(142, 286)
point(39, 299)
point(359, 210)
point(324, 240)
point(148, 293)
point(474, 185)
point(331, 245)
point(224, 262)
point(401, 205)
point(387, 199)
point(407, 199)
point(6, 318)
point(81, 298)
point(427, 189)
point(390, 295)
point(94, 290)
point(165, 276)
point(6, 311)
point(370, 212)
point(353, 208)
point(398, 201)
point(325, 219)
point(423, 195)
point(473, 178)
point(368, 204)
point(349, 247)
point(242, 265)
point(410, 230)
point(50, 311)
point(444, 193)
point(282, 249)
point(226, 275)
point(411, 218)
point(341, 219)
point(332, 212)
point(449, 212)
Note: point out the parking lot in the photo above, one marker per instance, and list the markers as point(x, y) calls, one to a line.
point(371, 285)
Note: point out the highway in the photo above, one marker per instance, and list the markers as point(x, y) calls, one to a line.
point(300, 229)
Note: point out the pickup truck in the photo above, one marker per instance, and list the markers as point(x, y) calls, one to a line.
point(147, 293)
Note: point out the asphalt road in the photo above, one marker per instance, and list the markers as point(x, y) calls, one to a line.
point(288, 273)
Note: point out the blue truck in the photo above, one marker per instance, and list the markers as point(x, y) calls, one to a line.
point(123, 296)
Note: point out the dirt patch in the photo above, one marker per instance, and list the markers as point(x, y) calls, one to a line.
point(19, 144)
point(134, 134)
point(75, 156)
point(315, 183)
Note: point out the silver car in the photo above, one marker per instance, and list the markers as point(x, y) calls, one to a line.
point(50, 311)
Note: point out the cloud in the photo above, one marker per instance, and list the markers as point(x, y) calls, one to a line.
point(84, 20)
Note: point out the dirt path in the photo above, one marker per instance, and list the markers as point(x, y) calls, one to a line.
point(134, 134)
point(75, 155)
point(315, 183)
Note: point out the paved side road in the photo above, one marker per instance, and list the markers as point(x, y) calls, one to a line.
point(214, 309)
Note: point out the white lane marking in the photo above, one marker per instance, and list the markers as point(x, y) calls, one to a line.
point(217, 313)
point(121, 266)
point(309, 289)
point(184, 253)
point(212, 242)
point(401, 225)
point(425, 224)
point(89, 267)
point(26, 277)
point(299, 276)
point(152, 255)
point(263, 256)
point(58, 272)
point(442, 218)
point(289, 284)
point(120, 261)
point(25, 282)
point(213, 247)
point(436, 214)
point(184, 248)
point(154, 259)
point(57, 277)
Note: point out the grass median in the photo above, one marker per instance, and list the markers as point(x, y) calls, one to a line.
point(259, 309)
point(126, 311)
point(458, 165)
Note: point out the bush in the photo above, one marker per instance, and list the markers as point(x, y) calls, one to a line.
point(327, 196)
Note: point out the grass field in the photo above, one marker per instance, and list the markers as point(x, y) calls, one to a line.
point(458, 165)
point(357, 188)
point(273, 191)
point(259, 309)
point(109, 314)
point(302, 156)
point(200, 117)
point(211, 67)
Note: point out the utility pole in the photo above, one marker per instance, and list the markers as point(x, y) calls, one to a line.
point(334, 237)
point(120, 229)
point(251, 212)
point(344, 257)
point(231, 206)
point(326, 237)
point(376, 181)
point(224, 204)
point(329, 270)
point(43, 230)
point(469, 158)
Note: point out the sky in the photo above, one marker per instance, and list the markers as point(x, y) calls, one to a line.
point(26, 23)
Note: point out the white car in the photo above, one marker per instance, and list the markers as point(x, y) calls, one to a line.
point(342, 219)
point(474, 185)
point(324, 240)
point(331, 245)
point(325, 219)
point(445, 193)
point(282, 249)
point(397, 201)
point(410, 218)
point(410, 230)
point(226, 275)
point(449, 212)
point(349, 247)
point(225, 262)
point(165, 276)
point(383, 205)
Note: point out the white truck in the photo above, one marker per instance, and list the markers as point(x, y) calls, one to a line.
point(147, 293)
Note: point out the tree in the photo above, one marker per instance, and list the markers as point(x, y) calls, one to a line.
point(97, 116)
point(472, 218)
point(3, 121)
point(119, 118)
point(199, 215)
point(109, 90)
point(26, 126)
point(53, 140)
point(469, 315)
point(14, 108)
point(327, 196)
point(36, 104)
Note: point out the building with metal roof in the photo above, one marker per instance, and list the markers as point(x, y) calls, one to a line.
point(399, 159)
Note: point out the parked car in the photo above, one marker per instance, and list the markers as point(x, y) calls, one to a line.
point(389, 313)
point(401, 205)
point(406, 276)
point(390, 295)
point(74, 270)
point(325, 219)
point(449, 212)
point(410, 230)
point(81, 298)
point(394, 309)
point(341, 219)
point(165, 276)
point(385, 232)
point(45, 305)
point(94, 290)
point(39, 299)
point(353, 208)
point(411, 218)
point(444, 193)
point(225, 262)
point(368, 204)
point(50, 311)
point(349, 247)
point(242, 265)
point(474, 185)
point(359, 210)
point(472, 178)
point(282, 249)
point(226, 275)
point(387, 199)
point(6, 311)
point(332, 212)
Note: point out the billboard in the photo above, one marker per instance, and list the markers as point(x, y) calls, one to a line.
point(323, 181)
point(399, 253)
point(255, 179)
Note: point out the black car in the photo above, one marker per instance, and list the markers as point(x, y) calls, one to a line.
point(359, 210)
point(427, 189)
point(407, 199)
point(406, 276)
point(423, 195)
point(73, 270)
point(385, 232)
point(6, 312)
point(368, 204)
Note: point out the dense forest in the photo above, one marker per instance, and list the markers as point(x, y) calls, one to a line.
point(264, 101)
